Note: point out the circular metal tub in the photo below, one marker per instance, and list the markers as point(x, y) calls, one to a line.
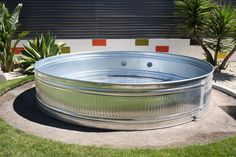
point(123, 90)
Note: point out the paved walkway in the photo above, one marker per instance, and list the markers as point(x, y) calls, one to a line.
point(227, 77)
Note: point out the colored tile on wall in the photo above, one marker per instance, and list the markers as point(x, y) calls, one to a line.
point(162, 48)
point(65, 49)
point(141, 42)
point(99, 42)
point(17, 50)
point(222, 55)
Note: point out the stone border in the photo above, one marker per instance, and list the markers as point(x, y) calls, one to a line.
point(13, 75)
point(224, 89)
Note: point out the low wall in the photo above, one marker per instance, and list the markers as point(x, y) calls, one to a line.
point(176, 46)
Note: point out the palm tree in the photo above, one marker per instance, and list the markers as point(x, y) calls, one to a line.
point(194, 15)
point(230, 18)
point(211, 25)
point(220, 30)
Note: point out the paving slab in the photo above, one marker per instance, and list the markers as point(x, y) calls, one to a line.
point(227, 77)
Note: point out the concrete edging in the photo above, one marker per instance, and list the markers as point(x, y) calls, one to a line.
point(224, 89)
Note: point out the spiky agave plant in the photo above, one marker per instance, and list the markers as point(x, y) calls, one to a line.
point(42, 46)
point(223, 31)
point(9, 23)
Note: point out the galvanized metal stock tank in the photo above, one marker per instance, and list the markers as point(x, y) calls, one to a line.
point(123, 90)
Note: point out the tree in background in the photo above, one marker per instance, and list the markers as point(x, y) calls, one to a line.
point(8, 26)
point(212, 25)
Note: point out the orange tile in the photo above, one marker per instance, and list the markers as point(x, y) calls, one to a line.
point(17, 50)
point(99, 42)
point(162, 48)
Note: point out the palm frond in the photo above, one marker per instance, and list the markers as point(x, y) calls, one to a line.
point(14, 19)
point(20, 36)
point(194, 14)
point(221, 27)
point(8, 26)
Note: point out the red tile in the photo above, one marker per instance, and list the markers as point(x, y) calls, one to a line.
point(99, 42)
point(17, 50)
point(162, 48)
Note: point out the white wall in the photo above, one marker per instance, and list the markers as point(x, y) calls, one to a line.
point(177, 46)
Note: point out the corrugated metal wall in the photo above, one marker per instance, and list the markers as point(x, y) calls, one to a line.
point(99, 18)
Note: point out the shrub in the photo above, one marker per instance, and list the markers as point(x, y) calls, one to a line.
point(42, 46)
point(8, 26)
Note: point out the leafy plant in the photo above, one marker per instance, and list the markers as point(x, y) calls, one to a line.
point(8, 26)
point(194, 15)
point(42, 46)
point(211, 25)
point(227, 29)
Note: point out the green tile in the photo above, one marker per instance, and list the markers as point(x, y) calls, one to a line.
point(141, 42)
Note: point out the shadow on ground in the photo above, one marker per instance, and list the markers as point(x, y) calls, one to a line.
point(231, 110)
point(224, 77)
point(25, 106)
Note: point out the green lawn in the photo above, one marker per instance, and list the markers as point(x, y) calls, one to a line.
point(14, 142)
point(7, 85)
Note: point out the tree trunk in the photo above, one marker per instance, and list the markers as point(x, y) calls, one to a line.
point(7, 59)
point(207, 52)
point(7, 66)
point(217, 51)
point(3, 66)
point(223, 64)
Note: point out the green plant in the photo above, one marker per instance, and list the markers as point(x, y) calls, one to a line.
point(211, 25)
point(8, 26)
point(228, 30)
point(194, 15)
point(42, 46)
point(10, 84)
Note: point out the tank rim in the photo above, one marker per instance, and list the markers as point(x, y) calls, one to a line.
point(37, 68)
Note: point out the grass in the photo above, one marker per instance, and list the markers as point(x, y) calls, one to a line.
point(14, 142)
point(10, 84)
